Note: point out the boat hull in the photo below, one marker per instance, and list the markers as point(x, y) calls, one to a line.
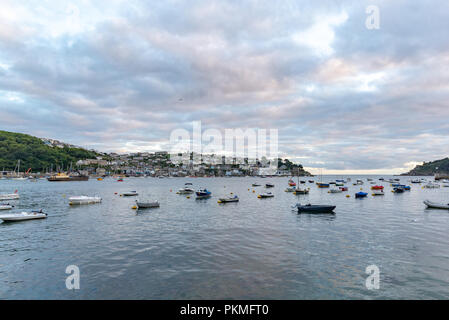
point(316, 209)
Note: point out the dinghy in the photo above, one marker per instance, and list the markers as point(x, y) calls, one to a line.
point(301, 191)
point(335, 191)
point(6, 206)
point(378, 192)
point(23, 216)
point(147, 204)
point(265, 195)
point(309, 208)
point(361, 194)
point(10, 196)
point(229, 199)
point(83, 200)
point(269, 185)
point(436, 205)
point(129, 194)
point(256, 185)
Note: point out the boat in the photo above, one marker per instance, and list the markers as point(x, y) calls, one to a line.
point(61, 177)
point(185, 190)
point(378, 192)
point(10, 196)
point(309, 208)
point(147, 204)
point(301, 191)
point(129, 194)
point(302, 182)
point(290, 189)
point(291, 183)
point(335, 191)
point(369, 179)
point(311, 181)
point(79, 200)
point(431, 185)
point(100, 179)
point(120, 180)
point(255, 185)
point(265, 195)
point(188, 184)
point(5, 206)
point(269, 185)
point(359, 182)
point(23, 216)
point(436, 205)
point(203, 194)
point(416, 181)
point(361, 194)
point(344, 188)
point(398, 190)
point(339, 184)
point(228, 199)
point(377, 187)
point(322, 185)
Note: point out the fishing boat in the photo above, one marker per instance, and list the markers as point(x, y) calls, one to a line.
point(23, 216)
point(301, 191)
point(322, 185)
point(5, 206)
point(147, 204)
point(377, 187)
point(436, 205)
point(378, 192)
point(185, 190)
point(129, 194)
point(203, 194)
point(61, 177)
point(335, 191)
point(80, 200)
point(228, 199)
point(361, 194)
point(309, 208)
point(269, 185)
point(265, 195)
point(10, 196)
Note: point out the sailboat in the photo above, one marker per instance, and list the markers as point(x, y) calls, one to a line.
point(16, 174)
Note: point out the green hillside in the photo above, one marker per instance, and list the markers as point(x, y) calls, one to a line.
point(430, 168)
point(35, 154)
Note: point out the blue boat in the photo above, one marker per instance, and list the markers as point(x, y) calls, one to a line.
point(398, 190)
point(361, 194)
point(203, 193)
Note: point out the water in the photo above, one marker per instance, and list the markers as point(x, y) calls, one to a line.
point(199, 249)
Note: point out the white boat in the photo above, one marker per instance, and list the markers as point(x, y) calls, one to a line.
point(265, 195)
point(228, 199)
point(436, 205)
point(335, 191)
point(185, 190)
point(24, 216)
point(83, 200)
point(129, 194)
point(6, 206)
point(431, 185)
point(10, 196)
point(301, 191)
point(147, 204)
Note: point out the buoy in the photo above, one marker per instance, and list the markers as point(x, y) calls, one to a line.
point(115, 192)
point(232, 192)
point(70, 203)
point(188, 197)
point(63, 195)
point(259, 196)
point(170, 190)
point(134, 207)
point(348, 196)
point(254, 191)
point(219, 201)
point(248, 189)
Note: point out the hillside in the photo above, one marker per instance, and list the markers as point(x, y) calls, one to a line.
point(430, 168)
point(35, 154)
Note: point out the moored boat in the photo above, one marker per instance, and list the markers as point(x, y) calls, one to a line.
point(378, 192)
point(309, 208)
point(147, 204)
point(322, 185)
point(377, 187)
point(79, 200)
point(10, 196)
point(228, 199)
point(335, 191)
point(23, 216)
point(129, 194)
point(185, 190)
point(361, 194)
point(6, 206)
point(255, 185)
point(61, 177)
point(203, 194)
point(436, 205)
point(269, 185)
point(299, 191)
point(265, 195)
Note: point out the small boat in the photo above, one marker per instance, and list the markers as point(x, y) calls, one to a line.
point(322, 185)
point(290, 189)
point(361, 194)
point(269, 185)
point(185, 190)
point(332, 182)
point(10, 196)
point(129, 194)
point(147, 204)
point(265, 195)
point(429, 185)
point(83, 200)
point(416, 181)
point(120, 180)
point(203, 194)
point(359, 182)
point(381, 179)
point(255, 185)
point(340, 180)
point(309, 208)
point(335, 191)
point(436, 205)
point(188, 184)
point(23, 216)
point(378, 192)
point(377, 187)
point(398, 190)
point(344, 188)
point(301, 191)
point(100, 179)
point(5, 206)
point(369, 179)
point(291, 183)
point(311, 181)
point(302, 182)
point(229, 199)
point(339, 184)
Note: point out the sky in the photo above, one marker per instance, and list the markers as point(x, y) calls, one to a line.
point(120, 76)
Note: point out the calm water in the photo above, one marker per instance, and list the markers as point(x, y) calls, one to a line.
point(254, 249)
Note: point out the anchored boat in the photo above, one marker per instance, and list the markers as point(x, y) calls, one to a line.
point(229, 199)
point(361, 194)
point(10, 196)
point(147, 204)
point(129, 194)
point(83, 200)
point(436, 205)
point(203, 194)
point(265, 195)
point(309, 208)
point(6, 206)
point(23, 216)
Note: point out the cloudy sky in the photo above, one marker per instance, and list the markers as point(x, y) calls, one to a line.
point(121, 75)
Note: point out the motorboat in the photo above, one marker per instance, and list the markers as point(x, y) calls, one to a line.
point(228, 199)
point(10, 196)
point(185, 190)
point(436, 205)
point(378, 192)
point(301, 191)
point(79, 200)
point(398, 190)
point(429, 185)
point(147, 204)
point(361, 194)
point(269, 185)
point(322, 185)
point(377, 187)
point(129, 194)
point(265, 195)
point(203, 194)
point(291, 183)
point(256, 185)
point(344, 188)
point(415, 181)
point(311, 181)
point(290, 189)
point(23, 216)
point(309, 208)
point(5, 206)
point(335, 191)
